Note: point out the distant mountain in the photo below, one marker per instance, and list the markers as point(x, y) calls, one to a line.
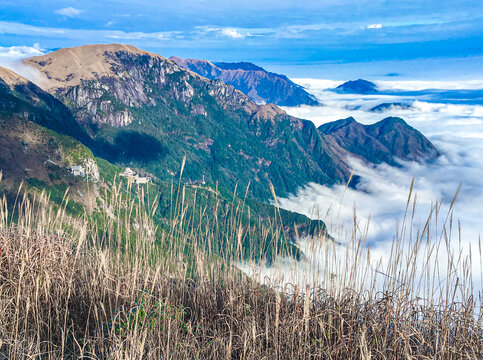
point(390, 106)
point(262, 86)
point(383, 141)
point(359, 86)
point(144, 111)
point(245, 66)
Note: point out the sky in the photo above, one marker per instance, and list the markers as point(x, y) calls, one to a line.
point(298, 38)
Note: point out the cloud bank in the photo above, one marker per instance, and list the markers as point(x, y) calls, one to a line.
point(380, 201)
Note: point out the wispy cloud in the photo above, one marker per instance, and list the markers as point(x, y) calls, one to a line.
point(18, 52)
point(138, 35)
point(10, 57)
point(68, 11)
point(374, 26)
point(83, 34)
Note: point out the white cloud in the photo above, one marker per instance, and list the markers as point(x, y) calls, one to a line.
point(232, 33)
point(374, 26)
point(22, 51)
point(68, 11)
point(11, 56)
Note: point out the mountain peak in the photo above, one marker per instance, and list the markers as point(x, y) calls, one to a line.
point(178, 60)
point(203, 68)
point(383, 141)
point(333, 126)
point(260, 85)
point(84, 51)
point(243, 65)
point(359, 86)
point(390, 123)
point(69, 66)
point(392, 120)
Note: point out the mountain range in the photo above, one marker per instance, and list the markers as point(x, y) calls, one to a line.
point(261, 86)
point(139, 109)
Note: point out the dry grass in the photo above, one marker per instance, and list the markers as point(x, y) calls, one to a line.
point(67, 292)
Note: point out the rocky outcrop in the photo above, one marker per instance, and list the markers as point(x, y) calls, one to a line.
point(130, 78)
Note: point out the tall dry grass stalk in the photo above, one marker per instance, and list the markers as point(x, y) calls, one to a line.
point(69, 289)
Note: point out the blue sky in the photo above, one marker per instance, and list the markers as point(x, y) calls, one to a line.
point(279, 33)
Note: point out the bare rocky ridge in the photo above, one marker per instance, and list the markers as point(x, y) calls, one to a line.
point(69, 67)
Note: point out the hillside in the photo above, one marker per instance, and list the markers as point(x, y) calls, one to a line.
point(34, 147)
point(45, 159)
point(124, 98)
point(142, 110)
point(262, 86)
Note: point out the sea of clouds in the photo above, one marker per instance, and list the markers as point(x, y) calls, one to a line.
point(380, 199)
point(449, 113)
point(455, 129)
